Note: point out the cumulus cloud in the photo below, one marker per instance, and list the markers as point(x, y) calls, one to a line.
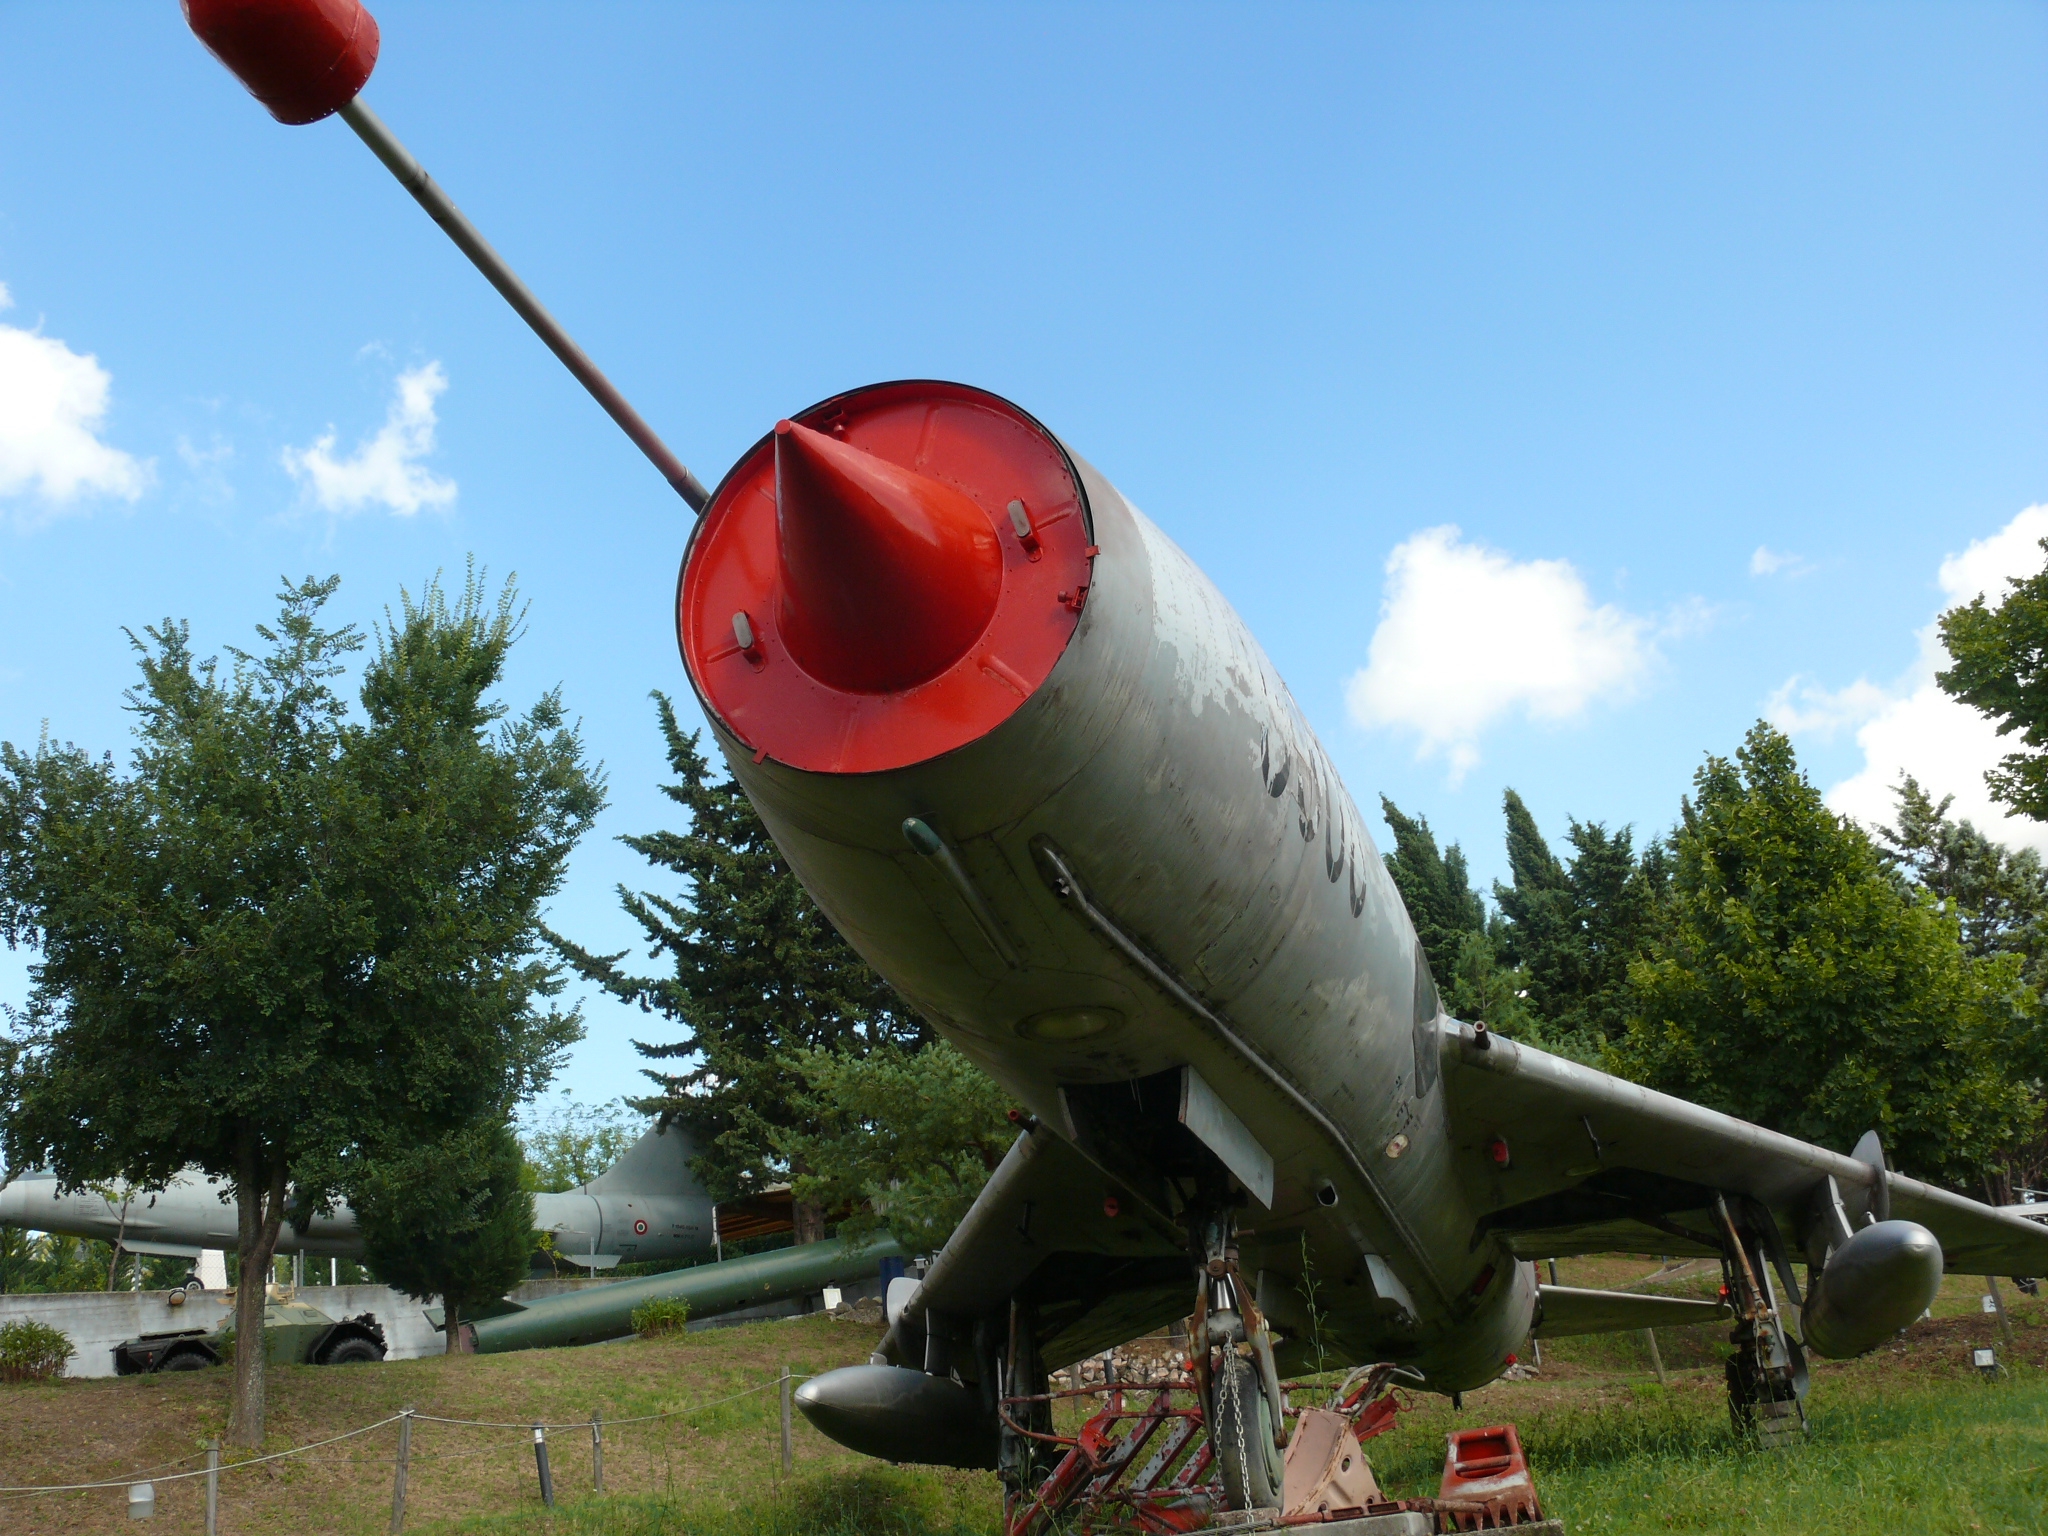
point(1468, 634)
point(1911, 726)
point(385, 469)
point(53, 404)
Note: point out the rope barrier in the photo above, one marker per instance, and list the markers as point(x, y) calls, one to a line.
point(526, 1426)
point(226, 1466)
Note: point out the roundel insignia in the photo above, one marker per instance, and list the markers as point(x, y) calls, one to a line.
point(639, 1229)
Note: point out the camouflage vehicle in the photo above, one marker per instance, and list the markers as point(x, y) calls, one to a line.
point(293, 1334)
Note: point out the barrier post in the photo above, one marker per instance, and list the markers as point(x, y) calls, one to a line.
point(1656, 1355)
point(398, 1474)
point(788, 1453)
point(213, 1487)
point(1998, 1306)
point(540, 1460)
point(597, 1450)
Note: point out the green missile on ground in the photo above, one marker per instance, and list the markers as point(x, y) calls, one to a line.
point(606, 1311)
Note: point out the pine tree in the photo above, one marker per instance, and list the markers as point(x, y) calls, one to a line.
point(1575, 929)
point(449, 1219)
point(1459, 941)
point(757, 976)
point(2000, 894)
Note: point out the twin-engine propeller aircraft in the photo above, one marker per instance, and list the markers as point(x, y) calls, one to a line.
point(1030, 763)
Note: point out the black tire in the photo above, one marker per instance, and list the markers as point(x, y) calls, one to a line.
point(1242, 1434)
point(184, 1360)
point(357, 1351)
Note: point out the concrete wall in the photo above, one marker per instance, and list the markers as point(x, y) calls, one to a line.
point(95, 1321)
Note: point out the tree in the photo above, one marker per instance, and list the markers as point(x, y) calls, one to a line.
point(285, 943)
point(451, 1218)
point(897, 1138)
point(758, 976)
point(1999, 894)
point(1795, 985)
point(577, 1142)
point(1573, 930)
point(1460, 942)
point(2000, 666)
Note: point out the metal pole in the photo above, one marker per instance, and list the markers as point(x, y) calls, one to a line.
point(1998, 1303)
point(597, 1450)
point(788, 1451)
point(213, 1488)
point(398, 1476)
point(442, 210)
point(1656, 1355)
point(540, 1459)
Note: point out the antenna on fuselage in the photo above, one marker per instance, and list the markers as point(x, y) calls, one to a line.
point(309, 59)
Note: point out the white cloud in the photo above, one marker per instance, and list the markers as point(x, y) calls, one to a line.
point(1912, 726)
point(1775, 562)
point(385, 469)
point(53, 402)
point(1468, 634)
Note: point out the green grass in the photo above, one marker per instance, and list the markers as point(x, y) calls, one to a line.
point(1905, 1442)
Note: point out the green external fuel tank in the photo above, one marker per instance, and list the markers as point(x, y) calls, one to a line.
point(606, 1311)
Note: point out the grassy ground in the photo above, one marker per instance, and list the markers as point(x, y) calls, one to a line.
point(1905, 1440)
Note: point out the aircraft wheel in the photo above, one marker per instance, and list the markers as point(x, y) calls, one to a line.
point(352, 1352)
point(1242, 1434)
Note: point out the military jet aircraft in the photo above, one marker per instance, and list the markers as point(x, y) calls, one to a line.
point(646, 1206)
point(1022, 753)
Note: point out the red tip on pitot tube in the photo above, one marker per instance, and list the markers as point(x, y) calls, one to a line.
point(303, 59)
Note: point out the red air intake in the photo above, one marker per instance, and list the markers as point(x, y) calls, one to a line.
point(301, 58)
point(884, 578)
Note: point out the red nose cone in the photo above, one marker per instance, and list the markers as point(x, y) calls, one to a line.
point(888, 576)
point(301, 58)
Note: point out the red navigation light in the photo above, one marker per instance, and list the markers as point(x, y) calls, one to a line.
point(888, 576)
point(893, 611)
point(301, 58)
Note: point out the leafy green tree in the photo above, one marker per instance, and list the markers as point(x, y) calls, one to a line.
point(897, 1138)
point(451, 1218)
point(284, 942)
point(1573, 929)
point(1795, 985)
point(757, 976)
point(573, 1143)
point(1999, 665)
point(1459, 939)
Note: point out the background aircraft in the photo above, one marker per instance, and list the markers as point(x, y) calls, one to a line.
point(646, 1206)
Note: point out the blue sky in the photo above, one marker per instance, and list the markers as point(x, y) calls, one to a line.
point(1718, 334)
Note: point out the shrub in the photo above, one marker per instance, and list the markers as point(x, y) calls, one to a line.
point(662, 1316)
point(31, 1351)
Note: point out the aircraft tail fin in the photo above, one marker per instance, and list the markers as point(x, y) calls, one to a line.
point(657, 1164)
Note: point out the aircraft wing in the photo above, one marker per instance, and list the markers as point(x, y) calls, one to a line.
point(1598, 1164)
point(1040, 1229)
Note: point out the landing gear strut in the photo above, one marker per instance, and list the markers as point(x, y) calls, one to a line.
point(1767, 1378)
point(1233, 1367)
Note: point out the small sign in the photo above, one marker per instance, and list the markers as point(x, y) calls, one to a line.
point(1990, 1303)
point(832, 1298)
point(1984, 1359)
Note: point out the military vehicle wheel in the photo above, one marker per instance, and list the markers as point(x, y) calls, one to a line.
point(185, 1360)
point(1242, 1433)
point(352, 1352)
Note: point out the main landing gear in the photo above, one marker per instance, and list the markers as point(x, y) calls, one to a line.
point(1767, 1380)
